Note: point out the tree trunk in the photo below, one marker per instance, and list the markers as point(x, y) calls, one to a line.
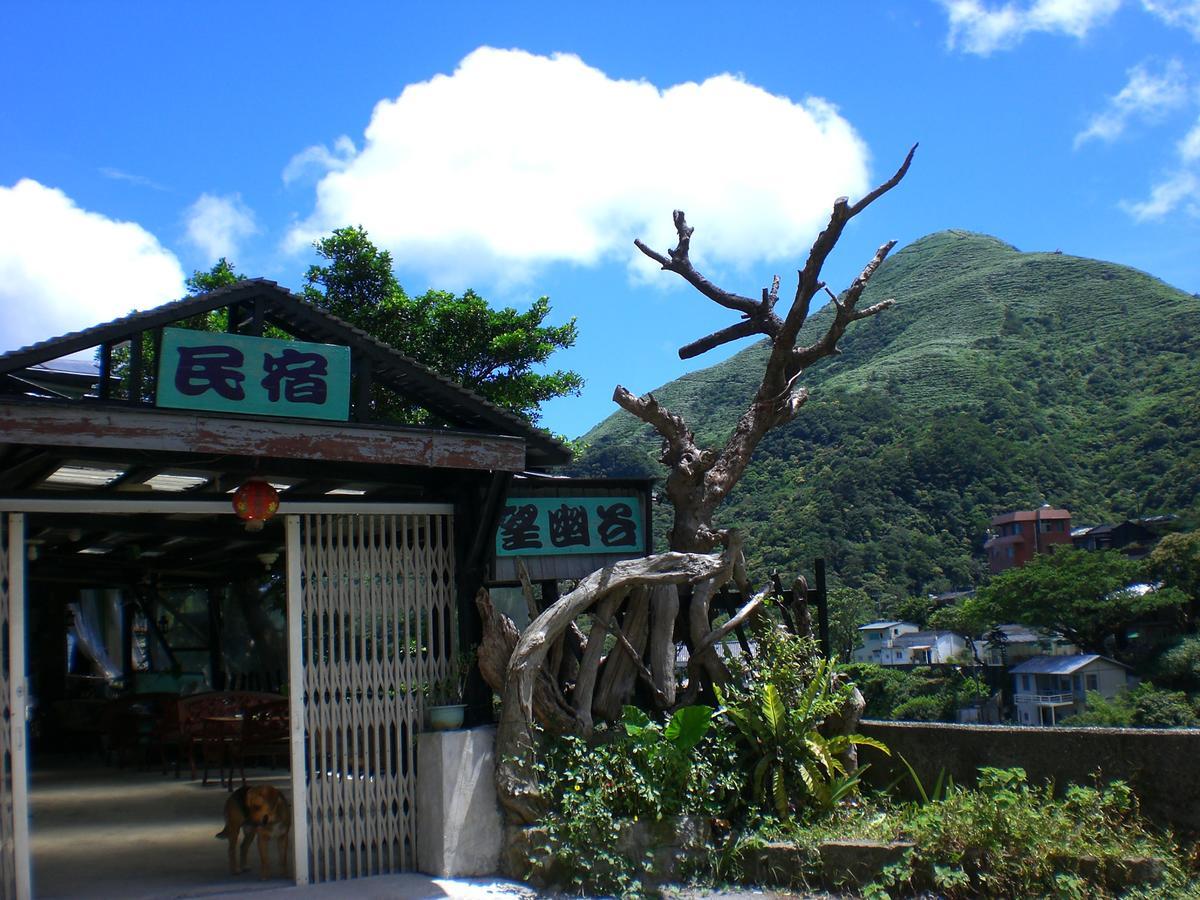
point(516, 740)
point(621, 670)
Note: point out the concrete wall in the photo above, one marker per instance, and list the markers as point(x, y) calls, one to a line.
point(1160, 765)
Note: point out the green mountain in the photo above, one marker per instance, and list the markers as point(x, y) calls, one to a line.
point(1001, 380)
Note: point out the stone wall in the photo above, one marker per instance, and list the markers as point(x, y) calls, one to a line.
point(1162, 766)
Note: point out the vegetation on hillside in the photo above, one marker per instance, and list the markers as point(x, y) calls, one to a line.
point(1001, 380)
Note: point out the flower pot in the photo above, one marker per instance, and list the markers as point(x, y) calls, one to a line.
point(446, 718)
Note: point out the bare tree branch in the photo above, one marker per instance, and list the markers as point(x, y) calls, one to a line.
point(760, 317)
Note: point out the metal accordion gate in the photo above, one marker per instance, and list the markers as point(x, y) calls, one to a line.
point(377, 625)
point(14, 807)
point(8, 881)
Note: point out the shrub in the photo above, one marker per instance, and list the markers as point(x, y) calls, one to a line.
point(920, 709)
point(1141, 707)
point(1163, 709)
point(637, 771)
point(1179, 667)
point(1008, 839)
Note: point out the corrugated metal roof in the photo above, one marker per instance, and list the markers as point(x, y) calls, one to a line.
point(875, 625)
point(1060, 665)
point(445, 398)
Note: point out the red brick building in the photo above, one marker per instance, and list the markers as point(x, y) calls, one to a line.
point(1019, 535)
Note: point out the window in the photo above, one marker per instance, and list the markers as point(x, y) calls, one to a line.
point(1025, 682)
point(1093, 682)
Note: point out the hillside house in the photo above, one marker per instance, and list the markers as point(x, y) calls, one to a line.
point(1017, 536)
point(1133, 537)
point(1009, 645)
point(877, 636)
point(1047, 689)
point(923, 648)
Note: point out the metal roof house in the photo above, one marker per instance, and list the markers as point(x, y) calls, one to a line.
point(1049, 688)
point(120, 479)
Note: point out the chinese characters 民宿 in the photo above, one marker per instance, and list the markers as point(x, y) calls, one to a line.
point(218, 368)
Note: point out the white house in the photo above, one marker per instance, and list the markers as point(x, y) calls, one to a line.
point(1049, 688)
point(923, 648)
point(878, 635)
point(1021, 643)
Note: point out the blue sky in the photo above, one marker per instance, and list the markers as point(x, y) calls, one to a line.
point(519, 149)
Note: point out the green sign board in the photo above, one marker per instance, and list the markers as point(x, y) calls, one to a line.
point(555, 526)
point(257, 376)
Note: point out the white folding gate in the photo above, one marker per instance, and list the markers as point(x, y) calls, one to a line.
point(14, 806)
point(372, 620)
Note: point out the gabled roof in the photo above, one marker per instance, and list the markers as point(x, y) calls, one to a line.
point(915, 638)
point(1060, 665)
point(875, 626)
point(280, 307)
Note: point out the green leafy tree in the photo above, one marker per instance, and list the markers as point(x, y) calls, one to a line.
point(848, 609)
point(495, 352)
point(222, 274)
point(1083, 595)
point(969, 618)
point(1176, 562)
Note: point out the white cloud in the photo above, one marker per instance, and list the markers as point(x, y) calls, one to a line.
point(139, 180)
point(1189, 147)
point(1146, 95)
point(217, 224)
point(1178, 13)
point(63, 268)
point(1166, 196)
point(976, 27)
point(515, 161)
point(1180, 187)
point(320, 159)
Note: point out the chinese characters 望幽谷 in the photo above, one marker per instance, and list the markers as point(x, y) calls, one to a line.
point(558, 525)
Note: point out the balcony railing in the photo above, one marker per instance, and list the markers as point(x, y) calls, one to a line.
point(1046, 699)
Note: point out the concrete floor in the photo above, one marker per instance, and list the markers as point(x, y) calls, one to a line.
point(100, 833)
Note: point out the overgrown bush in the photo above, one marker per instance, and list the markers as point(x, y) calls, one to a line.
point(1143, 706)
point(920, 709)
point(1009, 839)
point(1179, 667)
point(923, 694)
point(779, 704)
point(638, 771)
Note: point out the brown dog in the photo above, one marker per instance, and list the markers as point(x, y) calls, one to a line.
point(257, 811)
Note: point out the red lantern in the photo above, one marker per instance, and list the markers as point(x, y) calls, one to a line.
point(255, 502)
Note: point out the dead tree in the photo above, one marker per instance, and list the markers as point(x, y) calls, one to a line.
point(637, 596)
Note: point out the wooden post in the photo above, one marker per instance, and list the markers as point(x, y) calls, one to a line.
point(822, 607)
point(105, 370)
point(137, 366)
point(216, 661)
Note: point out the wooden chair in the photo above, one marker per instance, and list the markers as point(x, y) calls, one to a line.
point(266, 735)
point(206, 724)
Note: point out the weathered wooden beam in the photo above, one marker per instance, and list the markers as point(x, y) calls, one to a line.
point(44, 423)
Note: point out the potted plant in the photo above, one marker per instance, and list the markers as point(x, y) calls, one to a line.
point(446, 707)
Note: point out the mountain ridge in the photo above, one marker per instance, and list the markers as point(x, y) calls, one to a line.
point(1001, 379)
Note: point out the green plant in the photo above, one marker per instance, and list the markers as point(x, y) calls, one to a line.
point(793, 764)
point(1006, 838)
point(640, 772)
point(450, 689)
point(940, 787)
